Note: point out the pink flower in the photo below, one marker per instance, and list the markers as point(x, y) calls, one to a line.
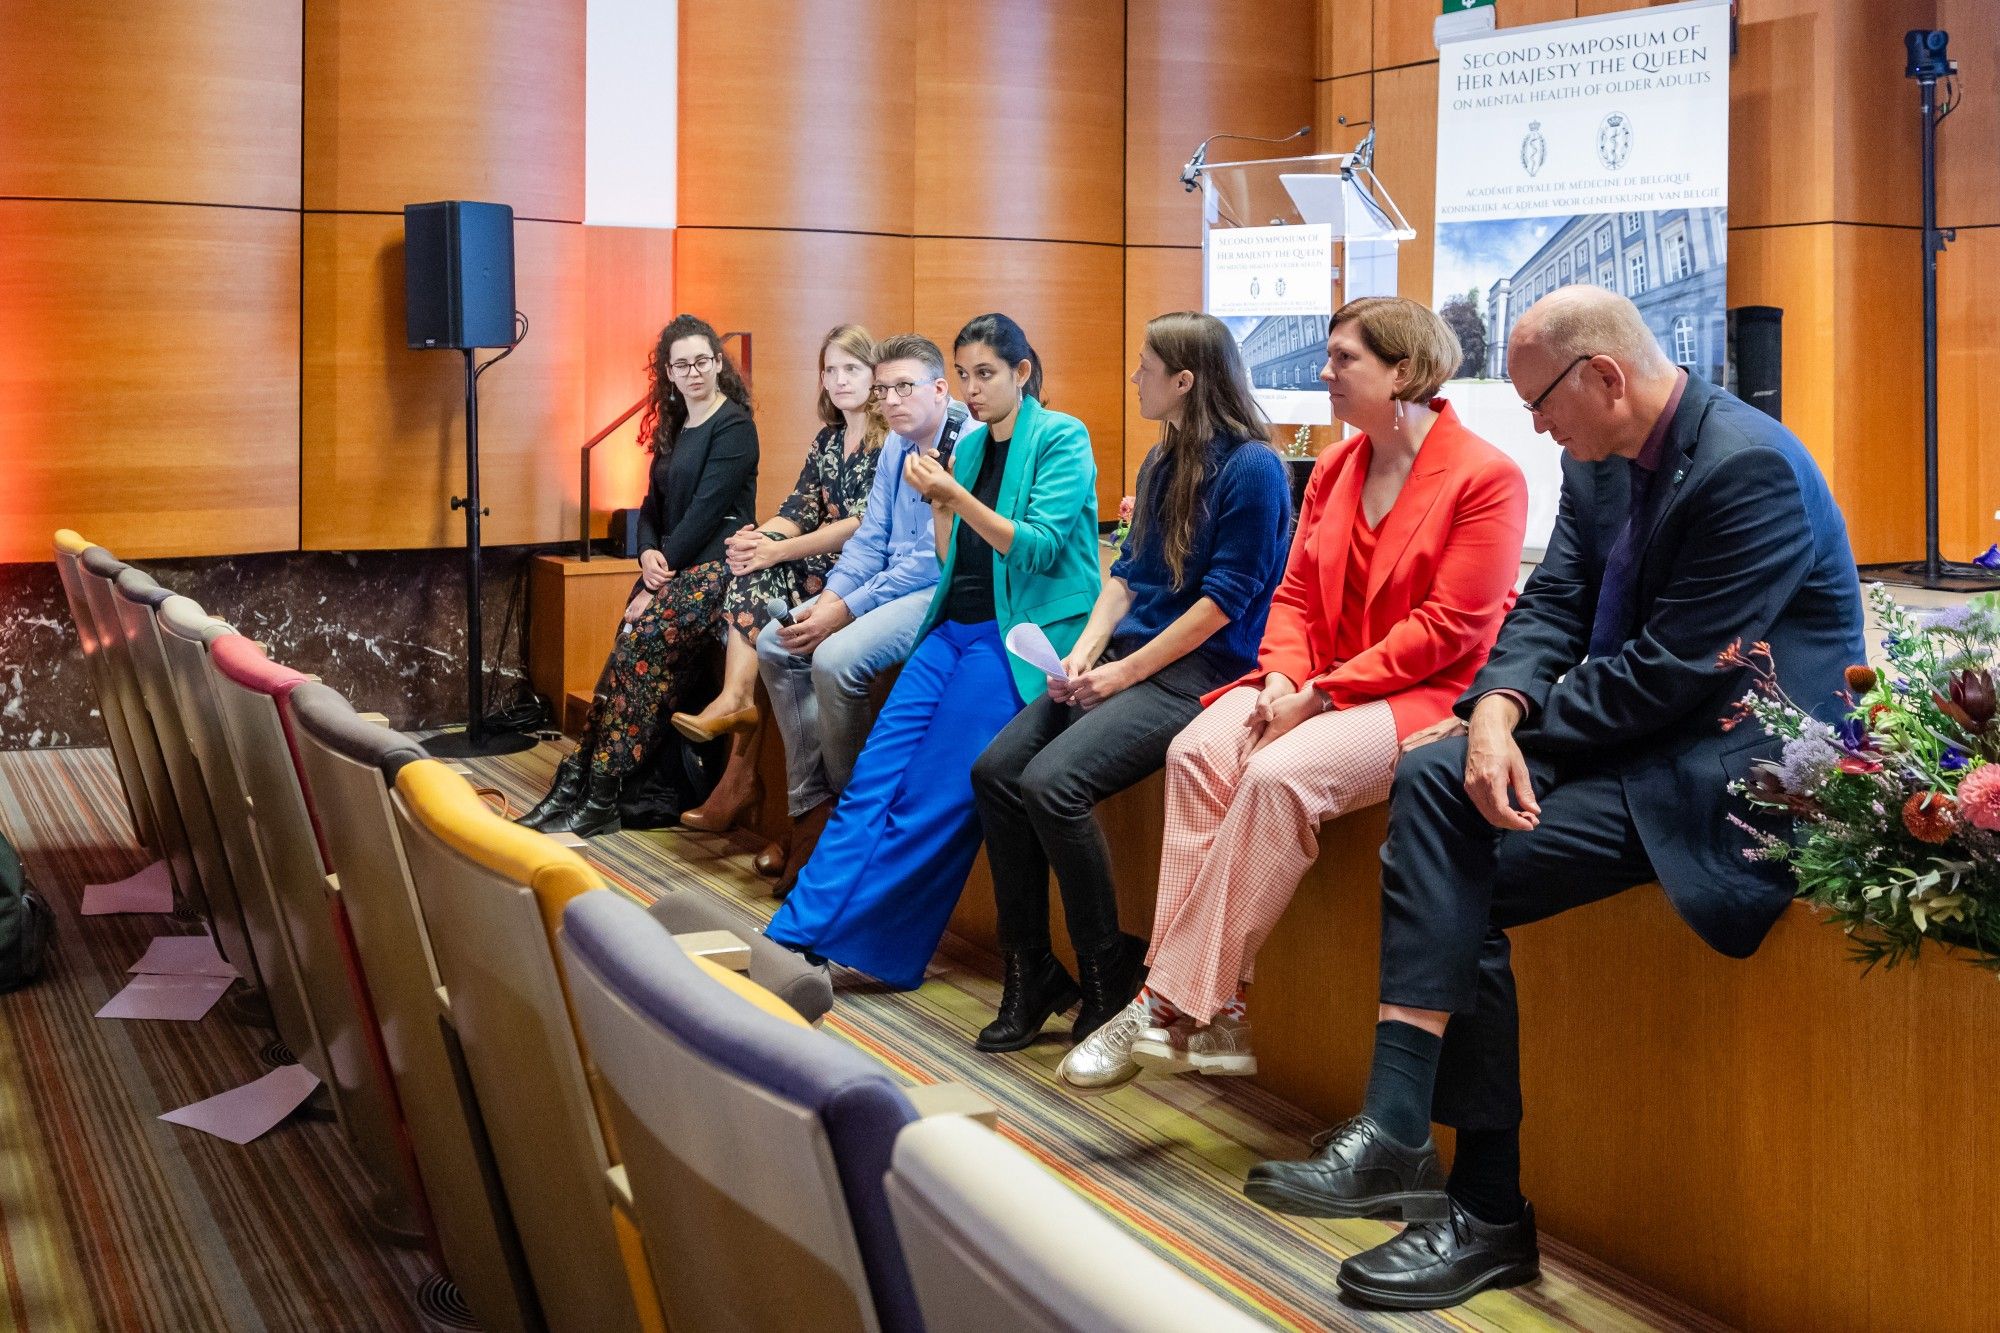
point(1979, 798)
point(1125, 510)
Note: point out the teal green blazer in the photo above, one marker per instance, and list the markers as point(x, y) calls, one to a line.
point(1049, 491)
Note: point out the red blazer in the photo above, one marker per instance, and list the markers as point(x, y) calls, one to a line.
point(1446, 558)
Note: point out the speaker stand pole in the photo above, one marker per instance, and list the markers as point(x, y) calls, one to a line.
point(474, 740)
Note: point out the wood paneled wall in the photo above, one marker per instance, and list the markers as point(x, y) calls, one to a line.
point(1023, 156)
point(1823, 214)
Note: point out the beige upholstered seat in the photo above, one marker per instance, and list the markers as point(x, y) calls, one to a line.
point(492, 894)
point(349, 763)
point(69, 549)
point(998, 1245)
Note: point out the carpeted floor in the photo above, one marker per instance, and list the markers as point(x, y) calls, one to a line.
point(110, 1219)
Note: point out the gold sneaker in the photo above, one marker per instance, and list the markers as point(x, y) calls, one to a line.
point(1221, 1047)
point(1103, 1060)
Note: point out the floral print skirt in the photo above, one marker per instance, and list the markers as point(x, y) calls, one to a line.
point(791, 582)
point(649, 660)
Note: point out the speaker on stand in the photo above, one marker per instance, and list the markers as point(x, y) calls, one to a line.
point(458, 289)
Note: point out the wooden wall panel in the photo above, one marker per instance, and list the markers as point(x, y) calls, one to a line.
point(1403, 33)
point(798, 113)
point(1877, 375)
point(1792, 268)
point(1157, 280)
point(1020, 115)
point(1346, 38)
point(1968, 183)
point(789, 289)
point(1069, 299)
point(148, 378)
point(1406, 164)
point(181, 103)
point(1969, 391)
point(1781, 103)
point(1875, 130)
point(1352, 98)
point(1520, 13)
point(384, 436)
point(456, 99)
point(1189, 74)
point(628, 296)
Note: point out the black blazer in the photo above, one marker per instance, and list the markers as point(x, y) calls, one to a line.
point(703, 491)
point(1744, 543)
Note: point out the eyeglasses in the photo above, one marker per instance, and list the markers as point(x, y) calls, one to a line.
point(901, 388)
point(698, 366)
point(1535, 404)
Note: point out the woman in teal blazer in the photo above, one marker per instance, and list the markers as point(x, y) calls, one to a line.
point(1017, 520)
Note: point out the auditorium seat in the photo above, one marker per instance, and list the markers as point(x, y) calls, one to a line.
point(139, 598)
point(99, 571)
point(997, 1244)
point(250, 691)
point(492, 894)
point(186, 631)
point(754, 1147)
point(349, 764)
point(806, 989)
point(110, 703)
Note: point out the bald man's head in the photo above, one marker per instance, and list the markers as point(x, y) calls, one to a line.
point(1585, 363)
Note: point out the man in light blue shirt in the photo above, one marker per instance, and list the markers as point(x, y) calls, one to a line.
point(821, 670)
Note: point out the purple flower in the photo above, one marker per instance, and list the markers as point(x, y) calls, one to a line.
point(1808, 760)
point(1951, 619)
point(1953, 759)
point(1853, 733)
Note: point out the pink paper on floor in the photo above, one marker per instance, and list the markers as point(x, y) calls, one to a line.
point(151, 890)
point(184, 956)
point(184, 999)
point(244, 1113)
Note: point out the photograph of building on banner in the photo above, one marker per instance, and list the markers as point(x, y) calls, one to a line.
point(1590, 151)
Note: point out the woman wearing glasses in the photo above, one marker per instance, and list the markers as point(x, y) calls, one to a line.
point(1017, 517)
point(1408, 545)
point(703, 486)
point(786, 560)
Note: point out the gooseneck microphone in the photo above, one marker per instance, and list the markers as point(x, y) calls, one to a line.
point(1191, 173)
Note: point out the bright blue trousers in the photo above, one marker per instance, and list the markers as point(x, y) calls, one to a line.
point(881, 884)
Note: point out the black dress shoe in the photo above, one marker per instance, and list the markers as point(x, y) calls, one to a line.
point(563, 794)
point(596, 813)
point(1430, 1265)
point(1357, 1171)
point(1035, 988)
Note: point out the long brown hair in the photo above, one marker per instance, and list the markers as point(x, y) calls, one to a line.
point(858, 343)
point(1218, 406)
point(666, 410)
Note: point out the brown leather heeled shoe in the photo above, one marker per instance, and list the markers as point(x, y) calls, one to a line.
point(770, 862)
point(713, 816)
point(692, 726)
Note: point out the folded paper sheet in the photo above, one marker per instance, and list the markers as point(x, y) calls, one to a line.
point(244, 1113)
point(151, 890)
point(1032, 646)
point(182, 999)
point(184, 956)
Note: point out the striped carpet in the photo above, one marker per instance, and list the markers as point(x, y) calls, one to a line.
point(112, 1220)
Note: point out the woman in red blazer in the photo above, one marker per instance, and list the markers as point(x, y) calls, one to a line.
point(1408, 546)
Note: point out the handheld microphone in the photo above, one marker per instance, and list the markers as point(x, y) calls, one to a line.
point(778, 611)
point(1195, 164)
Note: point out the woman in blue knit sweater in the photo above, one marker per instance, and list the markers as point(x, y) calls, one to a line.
point(1181, 614)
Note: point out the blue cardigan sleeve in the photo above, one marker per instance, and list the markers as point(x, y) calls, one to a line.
point(1251, 513)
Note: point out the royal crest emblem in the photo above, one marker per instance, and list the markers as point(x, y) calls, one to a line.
point(1614, 140)
point(1534, 149)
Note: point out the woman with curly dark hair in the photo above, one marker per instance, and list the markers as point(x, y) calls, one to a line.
point(702, 487)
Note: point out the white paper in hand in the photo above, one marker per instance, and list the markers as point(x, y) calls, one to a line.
point(1028, 643)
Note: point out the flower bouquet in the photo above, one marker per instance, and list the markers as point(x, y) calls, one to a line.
point(1895, 810)
point(1124, 528)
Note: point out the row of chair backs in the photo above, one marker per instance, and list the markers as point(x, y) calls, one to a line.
point(755, 1148)
point(69, 549)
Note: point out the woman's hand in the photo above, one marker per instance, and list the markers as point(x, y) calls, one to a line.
point(637, 607)
point(1436, 731)
point(751, 550)
point(1079, 661)
point(653, 570)
point(930, 479)
point(1287, 713)
point(1094, 686)
point(1277, 686)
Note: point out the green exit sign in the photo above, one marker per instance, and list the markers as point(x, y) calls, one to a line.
point(1458, 6)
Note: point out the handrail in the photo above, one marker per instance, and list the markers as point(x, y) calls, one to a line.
point(583, 520)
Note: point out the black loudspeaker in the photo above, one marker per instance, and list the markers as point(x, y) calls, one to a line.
point(1757, 356)
point(458, 274)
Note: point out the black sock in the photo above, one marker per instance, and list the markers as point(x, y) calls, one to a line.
point(1399, 1082)
point(1486, 1175)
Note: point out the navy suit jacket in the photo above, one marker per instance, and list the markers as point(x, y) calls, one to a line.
point(1743, 542)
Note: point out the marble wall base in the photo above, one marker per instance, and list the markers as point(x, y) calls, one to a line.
point(385, 628)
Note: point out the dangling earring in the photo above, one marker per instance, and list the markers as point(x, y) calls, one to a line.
point(1399, 414)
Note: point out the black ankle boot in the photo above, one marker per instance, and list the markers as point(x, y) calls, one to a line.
point(596, 813)
point(1109, 977)
point(1036, 988)
point(563, 793)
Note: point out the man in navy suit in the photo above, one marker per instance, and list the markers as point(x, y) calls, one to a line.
point(1591, 757)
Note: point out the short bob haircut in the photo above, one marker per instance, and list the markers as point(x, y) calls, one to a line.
point(1397, 329)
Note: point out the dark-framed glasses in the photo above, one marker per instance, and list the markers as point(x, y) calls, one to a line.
point(901, 388)
point(699, 366)
point(1535, 404)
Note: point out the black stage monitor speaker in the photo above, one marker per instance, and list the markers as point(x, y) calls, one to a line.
point(458, 274)
point(1756, 356)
